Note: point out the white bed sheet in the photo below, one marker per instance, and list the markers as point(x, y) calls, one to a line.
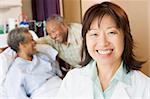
point(48, 90)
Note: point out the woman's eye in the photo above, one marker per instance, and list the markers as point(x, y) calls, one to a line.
point(94, 34)
point(112, 33)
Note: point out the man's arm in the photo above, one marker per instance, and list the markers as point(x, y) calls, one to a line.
point(44, 40)
point(47, 50)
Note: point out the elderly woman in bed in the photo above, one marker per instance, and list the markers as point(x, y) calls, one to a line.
point(32, 74)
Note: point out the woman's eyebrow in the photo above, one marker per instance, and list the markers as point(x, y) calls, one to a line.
point(92, 29)
point(111, 27)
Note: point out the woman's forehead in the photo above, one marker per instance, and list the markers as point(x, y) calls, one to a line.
point(105, 20)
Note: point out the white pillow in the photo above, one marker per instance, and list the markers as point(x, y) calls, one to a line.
point(35, 37)
point(6, 58)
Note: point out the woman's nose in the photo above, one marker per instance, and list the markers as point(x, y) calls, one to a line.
point(103, 40)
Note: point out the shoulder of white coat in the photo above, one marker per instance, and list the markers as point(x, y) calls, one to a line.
point(142, 84)
point(140, 75)
point(140, 78)
point(75, 73)
point(73, 80)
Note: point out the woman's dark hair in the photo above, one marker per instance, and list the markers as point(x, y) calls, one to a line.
point(15, 37)
point(122, 22)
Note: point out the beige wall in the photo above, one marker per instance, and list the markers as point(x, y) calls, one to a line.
point(149, 34)
point(87, 3)
point(72, 10)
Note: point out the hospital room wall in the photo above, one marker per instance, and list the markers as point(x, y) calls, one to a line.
point(9, 9)
point(149, 35)
point(139, 16)
point(72, 10)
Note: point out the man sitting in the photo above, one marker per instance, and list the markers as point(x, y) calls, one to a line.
point(32, 74)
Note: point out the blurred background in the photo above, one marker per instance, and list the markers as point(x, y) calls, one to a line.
point(34, 13)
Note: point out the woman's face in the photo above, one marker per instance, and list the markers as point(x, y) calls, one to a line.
point(105, 43)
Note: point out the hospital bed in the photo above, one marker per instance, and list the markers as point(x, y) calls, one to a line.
point(6, 59)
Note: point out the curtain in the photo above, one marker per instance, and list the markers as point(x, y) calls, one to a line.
point(41, 10)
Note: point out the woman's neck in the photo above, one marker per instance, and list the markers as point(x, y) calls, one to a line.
point(106, 73)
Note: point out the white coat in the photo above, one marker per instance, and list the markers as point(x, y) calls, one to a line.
point(78, 85)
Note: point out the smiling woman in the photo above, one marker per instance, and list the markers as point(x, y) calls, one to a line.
point(110, 69)
point(105, 41)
